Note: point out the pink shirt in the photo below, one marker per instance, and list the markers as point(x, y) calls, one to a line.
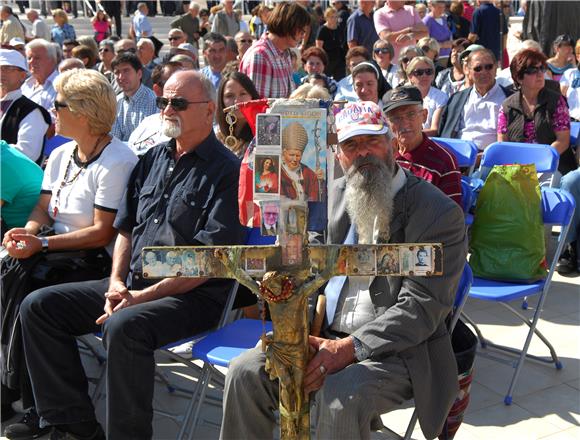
point(391, 20)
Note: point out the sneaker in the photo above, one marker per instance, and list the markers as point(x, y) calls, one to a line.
point(567, 263)
point(28, 427)
point(59, 434)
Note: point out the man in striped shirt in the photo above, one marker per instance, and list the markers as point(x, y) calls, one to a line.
point(415, 151)
point(268, 61)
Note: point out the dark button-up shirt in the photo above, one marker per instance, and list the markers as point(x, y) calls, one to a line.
point(188, 202)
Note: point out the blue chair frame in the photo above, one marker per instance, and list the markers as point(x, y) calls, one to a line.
point(574, 134)
point(557, 209)
point(465, 151)
point(544, 157)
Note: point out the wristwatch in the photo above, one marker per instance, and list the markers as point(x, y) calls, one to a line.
point(44, 243)
point(360, 351)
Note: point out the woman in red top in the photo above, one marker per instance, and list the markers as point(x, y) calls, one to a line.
point(101, 25)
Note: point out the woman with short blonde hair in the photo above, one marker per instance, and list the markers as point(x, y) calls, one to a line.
point(421, 71)
point(61, 30)
point(81, 191)
point(88, 93)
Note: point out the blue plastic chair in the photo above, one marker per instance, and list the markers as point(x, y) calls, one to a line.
point(460, 299)
point(557, 209)
point(574, 134)
point(465, 151)
point(544, 157)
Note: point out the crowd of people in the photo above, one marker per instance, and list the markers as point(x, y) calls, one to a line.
point(146, 156)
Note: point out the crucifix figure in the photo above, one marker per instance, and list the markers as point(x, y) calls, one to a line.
point(286, 289)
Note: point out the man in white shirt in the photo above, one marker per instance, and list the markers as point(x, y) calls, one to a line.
point(472, 113)
point(42, 61)
point(39, 27)
point(23, 123)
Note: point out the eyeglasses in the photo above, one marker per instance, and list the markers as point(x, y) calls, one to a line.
point(425, 49)
point(104, 49)
point(58, 105)
point(487, 67)
point(382, 50)
point(532, 70)
point(174, 38)
point(130, 50)
point(421, 72)
point(178, 104)
point(409, 116)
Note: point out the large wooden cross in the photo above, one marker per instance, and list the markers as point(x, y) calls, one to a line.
point(286, 283)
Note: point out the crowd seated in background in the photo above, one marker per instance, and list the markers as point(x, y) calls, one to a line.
point(452, 79)
point(81, 192)
point(570, 86)
point(405, 57)
point(563, 57)
point(383, 54)
point(369, 84)
point(354, 56)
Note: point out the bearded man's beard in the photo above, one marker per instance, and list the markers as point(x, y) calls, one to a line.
point(369, 198)
point(171, 127)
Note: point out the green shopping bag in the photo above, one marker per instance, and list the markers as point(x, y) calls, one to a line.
point(507, 241)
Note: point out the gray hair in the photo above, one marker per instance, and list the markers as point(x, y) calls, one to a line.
point(50, 47)
point(146, 41)
point(194, 5)
point(208, 88)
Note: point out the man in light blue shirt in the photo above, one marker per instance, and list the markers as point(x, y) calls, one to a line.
point(136, 101)
point(141, 25)
point(215, 57)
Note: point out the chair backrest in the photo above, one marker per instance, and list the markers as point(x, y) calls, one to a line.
point(557, 206)
point(461, 295)
point(465, 151)
point(545, 157)
point(575, 134)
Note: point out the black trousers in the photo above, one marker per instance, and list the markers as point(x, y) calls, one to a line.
point(113, 9)
point(53, 316)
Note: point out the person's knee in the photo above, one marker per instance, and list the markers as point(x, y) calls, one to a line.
point(39, 302)
point(127, 328)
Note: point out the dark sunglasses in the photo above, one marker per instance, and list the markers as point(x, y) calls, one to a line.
point(532, 70)
point(178, 104)
point(425, 48)
point(381, 50)
point(421, 72)
point(487, 67)
point(174, 38)
point(130, 50)
point(245, 41)
point(405, 60)
point(59, 105)
point(104, 49)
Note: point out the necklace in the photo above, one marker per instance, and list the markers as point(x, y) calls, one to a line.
point(65, 180)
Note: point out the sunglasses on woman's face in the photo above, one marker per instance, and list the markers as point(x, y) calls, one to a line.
point(58, 105)
point(178, 104)
point(532, 70)
point(421, 72)
point(382, 50)
point(487, 67)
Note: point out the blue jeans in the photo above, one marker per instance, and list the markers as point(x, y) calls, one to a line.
point(571, 183)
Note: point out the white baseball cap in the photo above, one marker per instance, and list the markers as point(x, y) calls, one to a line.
point(9, 57)
point(361, 117)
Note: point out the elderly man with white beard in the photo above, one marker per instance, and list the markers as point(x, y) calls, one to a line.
point(385, 338)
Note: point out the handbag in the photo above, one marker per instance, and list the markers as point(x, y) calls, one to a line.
point(507, 236)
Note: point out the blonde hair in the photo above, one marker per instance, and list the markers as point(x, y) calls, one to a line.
point(60, 14)
point(312, 91)
point(329, 11)
point(88, 93)
point(413, 63)
point(431, 43)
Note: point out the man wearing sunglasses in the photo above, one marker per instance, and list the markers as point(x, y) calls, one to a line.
point(176, 37)
point(181, 193)
point(472, 113)
point(244, 40)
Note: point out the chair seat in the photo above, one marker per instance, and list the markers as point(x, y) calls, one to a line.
point(221, 346)
point(490, 290)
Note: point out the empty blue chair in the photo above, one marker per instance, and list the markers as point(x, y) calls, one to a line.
point(465, 151)
point(557, 209)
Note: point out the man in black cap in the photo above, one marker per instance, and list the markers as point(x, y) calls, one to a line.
point(415, 151)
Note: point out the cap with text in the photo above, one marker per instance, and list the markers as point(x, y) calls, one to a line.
point(360, 118)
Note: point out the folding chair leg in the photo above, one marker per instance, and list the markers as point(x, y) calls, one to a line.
point(200, 400)
point(411, 426)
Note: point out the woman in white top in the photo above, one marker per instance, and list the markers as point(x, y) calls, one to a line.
point(421, 72)
point(81, 191)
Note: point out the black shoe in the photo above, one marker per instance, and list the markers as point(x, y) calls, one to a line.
point(567, 263)
point(7, 412)
point(28, 427)
point(59, 433)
